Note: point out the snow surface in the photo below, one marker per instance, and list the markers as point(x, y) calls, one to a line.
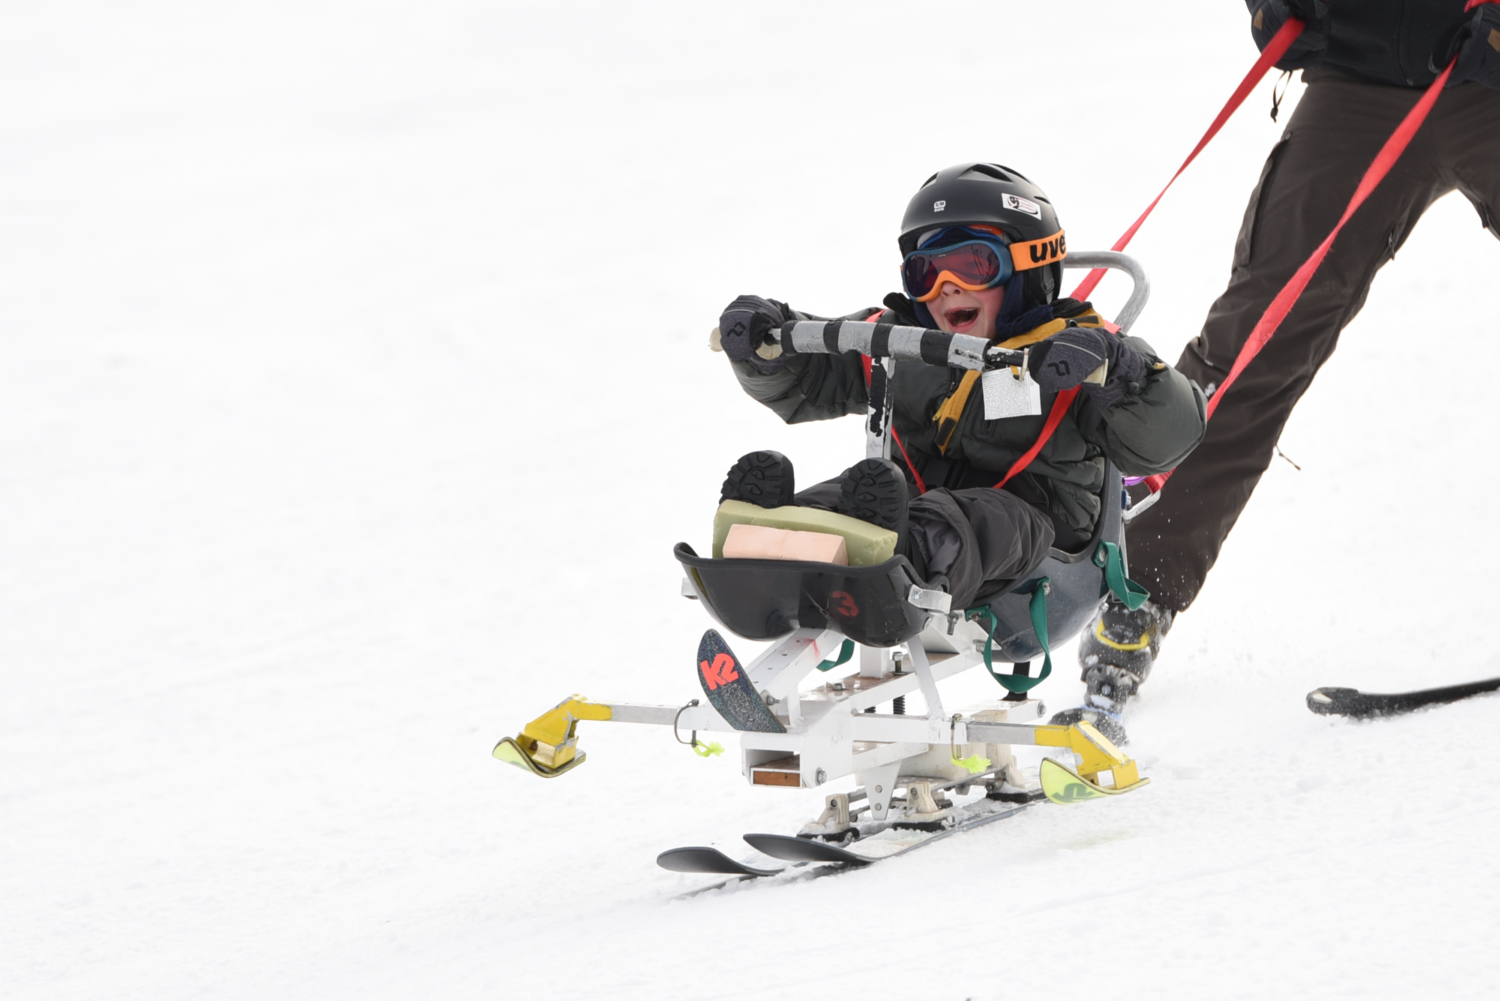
point(355, 391)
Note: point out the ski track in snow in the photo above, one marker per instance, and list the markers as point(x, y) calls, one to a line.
point(355, 391)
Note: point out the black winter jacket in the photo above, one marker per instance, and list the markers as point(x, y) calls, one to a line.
point(1400, 42)
point(1142, 434)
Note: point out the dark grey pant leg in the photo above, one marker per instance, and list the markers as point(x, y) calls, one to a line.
point(1308, 179)
point(981, 539)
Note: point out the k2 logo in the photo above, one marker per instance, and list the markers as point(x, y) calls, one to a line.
point(720, 672)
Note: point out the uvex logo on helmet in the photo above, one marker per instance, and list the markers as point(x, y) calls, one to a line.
point(1052, 249)
point(1037, 253)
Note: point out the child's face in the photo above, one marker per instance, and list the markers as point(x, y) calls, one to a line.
point(959, 311)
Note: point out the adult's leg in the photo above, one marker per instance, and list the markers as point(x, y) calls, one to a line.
point(1470, 136)
point(1308, 179)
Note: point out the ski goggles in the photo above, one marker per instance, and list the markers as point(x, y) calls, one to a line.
point(976, 264)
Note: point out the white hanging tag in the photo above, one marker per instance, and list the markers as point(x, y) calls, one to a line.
point(1006, 395)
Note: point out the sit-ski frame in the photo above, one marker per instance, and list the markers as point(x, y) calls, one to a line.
point(833, 730)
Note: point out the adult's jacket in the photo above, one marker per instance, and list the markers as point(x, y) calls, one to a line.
point(1399, 42)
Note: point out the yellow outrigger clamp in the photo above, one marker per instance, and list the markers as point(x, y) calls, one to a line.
point(1096, 754)
point(548, 745)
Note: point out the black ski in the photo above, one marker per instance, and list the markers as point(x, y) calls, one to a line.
point(812, 858)
point(707, 860)
point(1364, 705)
point(887, 843)
point(792, 849)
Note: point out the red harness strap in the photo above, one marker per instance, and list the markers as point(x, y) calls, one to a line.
point(1289, 294)
point(1274, 50)
point(1060, 406)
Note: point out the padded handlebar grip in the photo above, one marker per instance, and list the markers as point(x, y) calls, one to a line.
point(888, 340)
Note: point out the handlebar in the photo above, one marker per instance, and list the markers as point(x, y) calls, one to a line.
point(888, 340)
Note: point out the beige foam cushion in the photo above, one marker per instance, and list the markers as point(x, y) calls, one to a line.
point(761, 542)
point(867, 544)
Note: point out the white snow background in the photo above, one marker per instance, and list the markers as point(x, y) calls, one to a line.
point(354, 389)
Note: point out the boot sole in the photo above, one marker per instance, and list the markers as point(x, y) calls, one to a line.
point(874, 490)
point(760, 478)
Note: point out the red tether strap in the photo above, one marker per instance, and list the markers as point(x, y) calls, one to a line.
point(1274, 50)
point(1060, 406)
point(1287, 297)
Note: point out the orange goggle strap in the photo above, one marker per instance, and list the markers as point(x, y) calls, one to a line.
point(1039, 253)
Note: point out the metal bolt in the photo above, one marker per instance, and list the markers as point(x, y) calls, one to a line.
point(879, 789)
point(820, 776)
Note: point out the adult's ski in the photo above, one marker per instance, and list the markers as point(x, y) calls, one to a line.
point(1364, 705)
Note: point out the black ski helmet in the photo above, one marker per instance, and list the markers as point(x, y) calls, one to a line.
point(988, 194)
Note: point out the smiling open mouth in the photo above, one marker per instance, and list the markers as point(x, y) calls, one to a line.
point(959, 317)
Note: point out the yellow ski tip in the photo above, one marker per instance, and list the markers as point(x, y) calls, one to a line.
point(1062, 784)
point(512, 753)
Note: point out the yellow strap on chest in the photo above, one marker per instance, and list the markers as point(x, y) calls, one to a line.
point(951, 409)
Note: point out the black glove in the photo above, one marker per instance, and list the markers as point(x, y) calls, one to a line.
point(1067, 358)
point(1478, 48)
point(743, 328)
point(1270, 15)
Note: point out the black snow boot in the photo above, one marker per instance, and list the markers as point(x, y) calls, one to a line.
point(874, 490)
point(1116, 655)
point(762, 478)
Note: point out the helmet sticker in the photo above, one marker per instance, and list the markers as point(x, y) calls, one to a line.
point(1018, 204)
point(939, 206)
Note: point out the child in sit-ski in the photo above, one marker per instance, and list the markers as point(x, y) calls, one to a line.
point(981, 250)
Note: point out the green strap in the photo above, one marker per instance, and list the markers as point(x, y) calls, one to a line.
point(845, 652)
point(1126, 591)
point(1012, 682)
